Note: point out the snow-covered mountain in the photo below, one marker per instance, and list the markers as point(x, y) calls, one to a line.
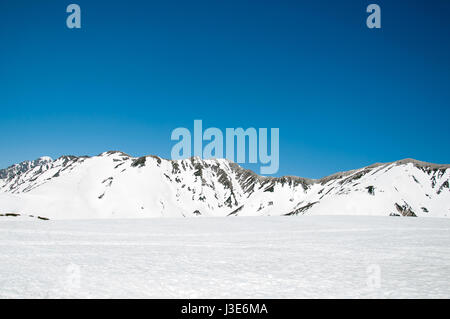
point(114, 184)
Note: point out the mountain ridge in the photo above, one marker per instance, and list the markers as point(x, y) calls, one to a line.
point(115, 184)
point(401, 161)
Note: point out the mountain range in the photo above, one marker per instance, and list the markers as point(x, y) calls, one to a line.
point(116, 185)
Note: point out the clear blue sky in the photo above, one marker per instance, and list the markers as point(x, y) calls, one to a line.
point(343, 96)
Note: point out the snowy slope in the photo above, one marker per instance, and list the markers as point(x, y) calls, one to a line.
point(266, 257)
point(116, 185)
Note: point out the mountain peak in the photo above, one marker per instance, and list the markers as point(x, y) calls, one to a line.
point(422, 164)
point(45, 159)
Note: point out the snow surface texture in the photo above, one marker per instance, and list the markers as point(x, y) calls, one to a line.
point(248, 257)
point(116, 185)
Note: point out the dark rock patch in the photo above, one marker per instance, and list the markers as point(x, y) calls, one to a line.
point(405, 210)
point(371, 190)
point(301, 209)
point(140, 162)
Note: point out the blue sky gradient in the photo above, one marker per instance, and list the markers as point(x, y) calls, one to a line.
point(344, 96)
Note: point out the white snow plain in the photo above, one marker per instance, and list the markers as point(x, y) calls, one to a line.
point(236, 257)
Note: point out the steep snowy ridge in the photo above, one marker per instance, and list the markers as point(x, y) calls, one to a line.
point(116, 185)
point(23, 167)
